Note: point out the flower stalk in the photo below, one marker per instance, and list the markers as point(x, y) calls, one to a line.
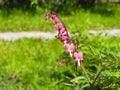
point(82, 67)
point(68, 45)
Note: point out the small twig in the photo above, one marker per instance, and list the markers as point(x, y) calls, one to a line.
point(103, 68)
point(82, 66)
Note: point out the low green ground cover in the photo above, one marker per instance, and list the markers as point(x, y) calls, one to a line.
point(105, 16)
point(32, 64)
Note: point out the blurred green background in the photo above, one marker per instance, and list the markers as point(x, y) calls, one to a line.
point(28, 15)
point(35, 64)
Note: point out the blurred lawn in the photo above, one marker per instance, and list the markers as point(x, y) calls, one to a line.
point(106, 16)
point(30, 64)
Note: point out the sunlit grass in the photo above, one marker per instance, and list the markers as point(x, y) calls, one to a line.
point(94, 18)
point(31, 63)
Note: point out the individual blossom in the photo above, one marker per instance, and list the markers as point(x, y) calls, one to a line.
point(60, 26)
point(78, 56)
point(65, 38)
point(69, 48)
point(54, 18)
point(62, 31)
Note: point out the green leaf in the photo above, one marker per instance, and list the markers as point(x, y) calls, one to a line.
point(77, 78)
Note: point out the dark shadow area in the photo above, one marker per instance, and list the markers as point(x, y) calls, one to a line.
point(8, 7)
point(106, 9)
point(63, 7)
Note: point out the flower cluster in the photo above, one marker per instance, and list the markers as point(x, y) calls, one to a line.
point(62, 32)
point(65, 38)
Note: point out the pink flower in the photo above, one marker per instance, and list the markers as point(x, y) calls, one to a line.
point(62, 30)
point(69, 47)
point(60, 26)
point(54, 18)
point(65, 38)
point(78, 56)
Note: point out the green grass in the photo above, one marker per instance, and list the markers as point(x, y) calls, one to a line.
point(19, 20)
point(30, 64)
point(104, 16)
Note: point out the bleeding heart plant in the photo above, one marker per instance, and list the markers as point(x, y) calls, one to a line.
point(69, 46)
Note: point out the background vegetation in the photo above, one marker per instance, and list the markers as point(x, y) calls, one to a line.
point(29, 16)
point(35, 64)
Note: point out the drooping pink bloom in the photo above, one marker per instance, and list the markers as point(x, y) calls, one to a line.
point(54, 18)
point(65, 38)
point(62, 30)
point(60, 26)
point(78, 56)
point(69, 48)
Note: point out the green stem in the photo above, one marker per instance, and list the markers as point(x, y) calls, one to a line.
point(82, 66)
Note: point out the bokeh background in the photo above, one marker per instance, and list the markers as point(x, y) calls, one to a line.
point(35, 64)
